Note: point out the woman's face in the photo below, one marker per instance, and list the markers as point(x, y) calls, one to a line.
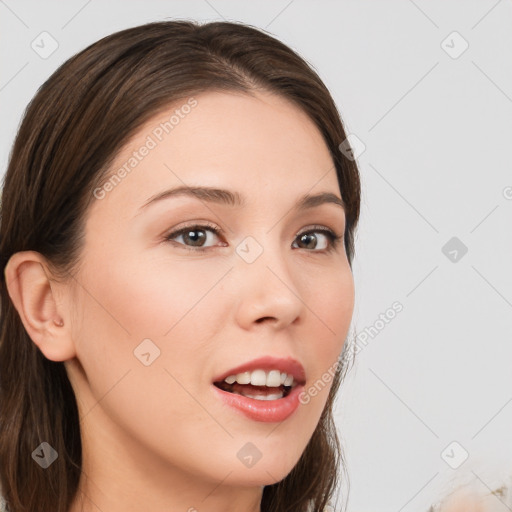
point(160, 315)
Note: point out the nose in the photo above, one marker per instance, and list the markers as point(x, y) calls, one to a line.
point(267, 291)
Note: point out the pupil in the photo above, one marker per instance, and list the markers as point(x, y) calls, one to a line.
point(308, 237)
point(196, 240)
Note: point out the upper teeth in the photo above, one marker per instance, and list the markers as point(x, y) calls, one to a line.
point(273, 378)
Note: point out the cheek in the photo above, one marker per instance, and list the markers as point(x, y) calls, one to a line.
point(169, 303)
point(338, 302)
point(331, 305)
point(123, 304)
point(331, 310)
point(153, 297)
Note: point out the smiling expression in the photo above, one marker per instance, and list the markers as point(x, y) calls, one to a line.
point(223, 244)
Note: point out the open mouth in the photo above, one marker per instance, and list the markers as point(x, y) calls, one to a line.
point(255, 392)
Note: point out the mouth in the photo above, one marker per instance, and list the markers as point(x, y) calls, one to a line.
point(266, 389)
point(255, 392)
point(265, 378)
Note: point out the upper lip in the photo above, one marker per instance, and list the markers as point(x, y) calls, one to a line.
point(288, 365)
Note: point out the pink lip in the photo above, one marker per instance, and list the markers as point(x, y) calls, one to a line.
point(263, 410)
point(289, 366)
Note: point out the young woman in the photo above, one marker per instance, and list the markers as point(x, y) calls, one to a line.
point(176, 238)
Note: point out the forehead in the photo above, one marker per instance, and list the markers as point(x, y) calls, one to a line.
point(262, 143)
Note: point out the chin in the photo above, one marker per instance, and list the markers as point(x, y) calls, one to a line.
point(259, 478)
point(269, 471)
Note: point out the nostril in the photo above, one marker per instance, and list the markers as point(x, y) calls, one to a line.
point(264, 318)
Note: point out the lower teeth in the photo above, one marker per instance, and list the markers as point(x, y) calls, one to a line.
point(274, 396)
point(256, 394)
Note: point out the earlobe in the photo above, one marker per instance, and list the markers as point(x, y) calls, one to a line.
point(33, 295)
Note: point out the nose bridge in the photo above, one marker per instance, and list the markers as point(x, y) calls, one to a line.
point(267, 286)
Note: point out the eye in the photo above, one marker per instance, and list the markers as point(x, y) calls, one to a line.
point(327, 241)
point(194, 237)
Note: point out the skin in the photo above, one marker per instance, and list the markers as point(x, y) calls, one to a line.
point(464, 500)
point(156, 437)
point(464, 503)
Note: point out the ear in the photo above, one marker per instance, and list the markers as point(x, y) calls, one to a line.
point(33, 294)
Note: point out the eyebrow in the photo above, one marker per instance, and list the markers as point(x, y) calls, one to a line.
point(227, 197)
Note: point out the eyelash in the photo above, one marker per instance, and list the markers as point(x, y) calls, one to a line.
point(334, 239)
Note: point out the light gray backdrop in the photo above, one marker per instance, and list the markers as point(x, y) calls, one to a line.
point(425, 87)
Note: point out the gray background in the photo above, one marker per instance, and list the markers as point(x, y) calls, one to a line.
point(437, 130)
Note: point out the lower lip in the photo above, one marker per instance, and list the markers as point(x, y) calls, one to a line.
point(263, 410)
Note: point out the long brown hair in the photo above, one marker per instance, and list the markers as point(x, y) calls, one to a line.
point(71, 131)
